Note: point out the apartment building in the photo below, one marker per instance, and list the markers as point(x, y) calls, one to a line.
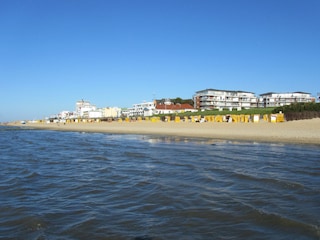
point(83, 108)
point(272, 99)
point(224, 99)
point(142, 109)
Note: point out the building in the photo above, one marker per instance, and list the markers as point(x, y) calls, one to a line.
point(111, 112)
point(144, 109)
point(171, 108)
point(65, 115)
point(94, 114)
point(209, 99)
point(272, 99)
point(83, 108)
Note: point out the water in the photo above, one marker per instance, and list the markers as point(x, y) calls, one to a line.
point(70, 185)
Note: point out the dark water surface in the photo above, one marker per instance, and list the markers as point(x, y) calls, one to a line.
point(69, 185)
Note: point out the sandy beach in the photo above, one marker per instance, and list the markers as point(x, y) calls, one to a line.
point(302, 131)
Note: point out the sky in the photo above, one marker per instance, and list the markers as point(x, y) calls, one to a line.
point(115, 53)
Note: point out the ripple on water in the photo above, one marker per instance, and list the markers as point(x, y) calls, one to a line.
point(64, 185)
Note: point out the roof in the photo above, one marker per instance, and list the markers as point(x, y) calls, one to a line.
point(268, 93)
point(174, 106)
point(302, 92)
point(220, 90)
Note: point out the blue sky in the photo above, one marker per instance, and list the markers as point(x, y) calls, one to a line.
point(121, 52)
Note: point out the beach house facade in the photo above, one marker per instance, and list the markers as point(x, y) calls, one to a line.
point(209, 99)
point(272, 99)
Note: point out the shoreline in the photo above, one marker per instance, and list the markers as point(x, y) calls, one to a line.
point(298, 132)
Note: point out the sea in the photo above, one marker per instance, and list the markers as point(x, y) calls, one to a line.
point(78, 185)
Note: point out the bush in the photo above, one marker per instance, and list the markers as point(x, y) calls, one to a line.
point(297, 111)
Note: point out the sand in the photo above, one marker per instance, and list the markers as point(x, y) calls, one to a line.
point(301, 132)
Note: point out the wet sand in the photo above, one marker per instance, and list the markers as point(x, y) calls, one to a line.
point(302, 131)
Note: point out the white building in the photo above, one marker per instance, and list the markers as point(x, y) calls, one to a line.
point(83, 108)
point(144, 109)
point(224, 99)
point(65, 114)
point(272, 99)
point(94, 114)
